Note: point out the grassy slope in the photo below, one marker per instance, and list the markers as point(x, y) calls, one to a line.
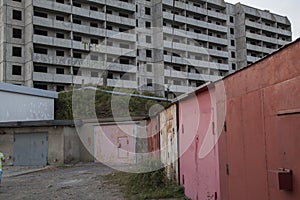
point(85, 107)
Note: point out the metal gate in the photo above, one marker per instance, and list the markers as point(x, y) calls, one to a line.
point(30, 149)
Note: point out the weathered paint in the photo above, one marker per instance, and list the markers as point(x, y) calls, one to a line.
point(153, 137)
point(20, 103)
point(263, 123)
point(114, 144)
point(197, 119)
point(169, 141)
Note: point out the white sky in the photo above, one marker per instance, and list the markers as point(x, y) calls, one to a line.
point(289, 8)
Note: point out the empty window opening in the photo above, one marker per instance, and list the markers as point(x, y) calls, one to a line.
point(17, 51)
point(17, 33)
point(17, 70)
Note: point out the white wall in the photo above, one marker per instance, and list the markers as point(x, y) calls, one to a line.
point(20, 107)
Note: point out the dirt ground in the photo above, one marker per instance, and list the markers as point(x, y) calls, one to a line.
point(78, 182)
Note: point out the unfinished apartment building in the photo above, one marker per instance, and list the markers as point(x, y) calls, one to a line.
point(167, 47)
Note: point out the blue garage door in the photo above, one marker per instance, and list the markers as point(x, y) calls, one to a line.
point(31, 149)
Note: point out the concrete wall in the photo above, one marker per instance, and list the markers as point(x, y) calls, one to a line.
point(25, 104)
point(63, 143)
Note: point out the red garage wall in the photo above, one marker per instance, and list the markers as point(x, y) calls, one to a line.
point(153, 137)
point(263, 123)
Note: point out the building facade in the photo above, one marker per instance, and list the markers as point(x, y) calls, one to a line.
point(162, 46)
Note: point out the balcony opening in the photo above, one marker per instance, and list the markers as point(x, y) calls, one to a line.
point(60, 1)
point(123, 29)
point(40, 69)
point(40, 86)
point(76, 72)
point(60, 35)
point(76, 21)
point(124, 61)
point(60, 71)
point(60, 18)
point(94, 41)
point(77, 4)
point(77, 55)
point(77, 38)
point(40, 14)
point(93, 8)
point(94, 24)
point(40, 50)
point(60, 53)
point(124, 15)
point(60, 88)
point(40, 32)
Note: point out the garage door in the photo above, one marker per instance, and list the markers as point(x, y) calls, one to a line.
point(31, 149)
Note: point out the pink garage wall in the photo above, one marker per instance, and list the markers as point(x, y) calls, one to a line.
point(263, 123)
point(199, 176)
point(114, 144)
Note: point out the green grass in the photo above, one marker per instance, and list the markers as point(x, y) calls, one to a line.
point(151, 185)
point(85, 106)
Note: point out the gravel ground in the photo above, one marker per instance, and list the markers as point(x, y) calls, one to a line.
point(78, 182)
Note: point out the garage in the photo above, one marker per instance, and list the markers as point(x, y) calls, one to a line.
point(30, 149)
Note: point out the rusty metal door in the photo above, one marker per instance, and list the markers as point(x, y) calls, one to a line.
point(169, 141)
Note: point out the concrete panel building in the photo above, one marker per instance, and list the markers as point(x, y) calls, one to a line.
point(54, 44)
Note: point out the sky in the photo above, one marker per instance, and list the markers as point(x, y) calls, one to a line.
point(289, 8)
